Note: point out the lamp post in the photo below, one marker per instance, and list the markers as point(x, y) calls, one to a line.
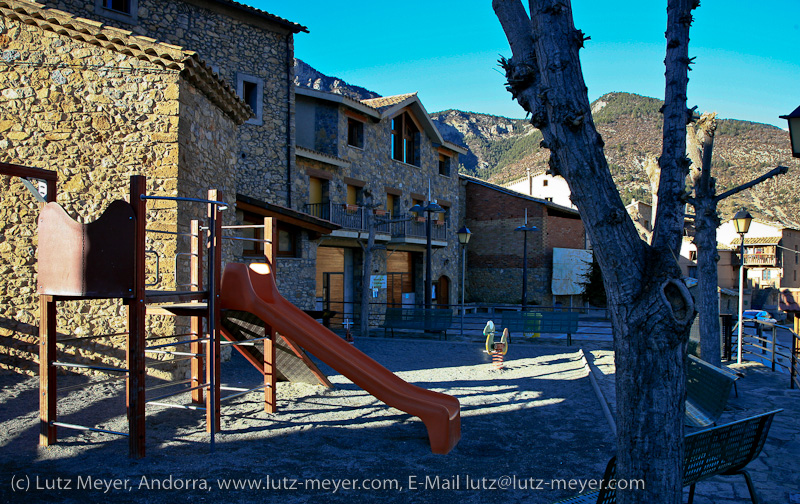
point(463, 239)
point(741, 221)
point(794, 130)
point(428, 208)
point(525, 228)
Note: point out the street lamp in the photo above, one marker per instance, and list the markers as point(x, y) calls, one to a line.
point(428, 208)
point(463, 239)
point(794, 130)
point(741, 222)
point(525, 228)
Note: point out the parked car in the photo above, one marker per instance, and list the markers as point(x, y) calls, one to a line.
point(760, 315)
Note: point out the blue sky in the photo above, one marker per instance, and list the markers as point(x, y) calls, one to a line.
point(747, 53)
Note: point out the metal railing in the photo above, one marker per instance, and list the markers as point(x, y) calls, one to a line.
point(337, 314)
point(352, 217)
point(765, 347)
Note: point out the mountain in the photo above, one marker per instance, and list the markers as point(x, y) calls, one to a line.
point(502, 149)
point(305, 75)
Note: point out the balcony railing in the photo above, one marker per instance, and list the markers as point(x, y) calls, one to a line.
point(354, 218)
point(760, 260)
point(757, 260)
point(350, 217)
point(416, 229)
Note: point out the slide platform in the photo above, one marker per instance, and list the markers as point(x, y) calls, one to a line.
point(252, 289)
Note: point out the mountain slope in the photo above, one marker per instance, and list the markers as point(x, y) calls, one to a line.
point(503, 149)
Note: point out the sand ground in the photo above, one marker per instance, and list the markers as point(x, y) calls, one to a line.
point(534, 422)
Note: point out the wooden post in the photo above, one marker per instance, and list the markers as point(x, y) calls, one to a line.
point(196, 268)
point(47, 372)
point(270, 365)
point(136, 327)
point(214, 314)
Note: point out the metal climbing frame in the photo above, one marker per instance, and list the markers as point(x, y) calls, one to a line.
point(96, 280)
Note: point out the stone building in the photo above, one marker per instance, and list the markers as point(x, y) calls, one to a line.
point(372, 160)
point(98, 104)
point(251, 50)
point(495, 250)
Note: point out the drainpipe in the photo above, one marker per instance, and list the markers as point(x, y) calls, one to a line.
point(289, 84)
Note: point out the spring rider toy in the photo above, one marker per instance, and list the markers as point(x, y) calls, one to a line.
point(497, 349)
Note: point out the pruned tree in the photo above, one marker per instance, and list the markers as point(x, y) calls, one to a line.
point(705, 200)
point(651, 308)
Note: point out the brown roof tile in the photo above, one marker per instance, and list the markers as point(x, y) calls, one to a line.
point(385, 102)
point(169, 56)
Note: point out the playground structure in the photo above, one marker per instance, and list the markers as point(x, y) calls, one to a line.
point(497, 349)
point(105, 259)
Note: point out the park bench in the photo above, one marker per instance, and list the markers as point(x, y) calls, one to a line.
point(418, 319)
point(538, 322)
point(724, 450)
point(707, 390)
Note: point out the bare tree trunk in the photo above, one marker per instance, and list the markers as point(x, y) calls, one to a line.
point(651, 307)
point(706, 222)
point(705, 201)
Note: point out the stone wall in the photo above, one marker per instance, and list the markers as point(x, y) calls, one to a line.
point(234, 44)
point(496, 251)
point(96, 117)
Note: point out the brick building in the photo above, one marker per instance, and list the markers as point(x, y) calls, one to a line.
point(495, 250)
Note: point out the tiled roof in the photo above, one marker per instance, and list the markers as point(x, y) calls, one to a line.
point(385, 102)
point(294, 27)
point(169, 56)
point(767, 240)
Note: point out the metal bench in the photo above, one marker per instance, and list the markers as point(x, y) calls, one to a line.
point(418, 319)
point(537, 322)
point(724, 450)
point(707, 390)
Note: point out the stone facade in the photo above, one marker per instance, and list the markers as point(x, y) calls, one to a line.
point(325, 152)
point(97, 112)
point(495, 251)
point(241, 44)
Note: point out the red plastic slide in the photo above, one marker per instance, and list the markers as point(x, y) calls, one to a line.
point(252, 289)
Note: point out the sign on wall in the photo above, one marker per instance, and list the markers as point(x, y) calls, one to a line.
point(378, 281)
point(570, 271)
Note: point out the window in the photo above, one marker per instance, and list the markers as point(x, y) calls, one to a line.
point(353, 195)
point(545, 182)
point(288, 239)
point(251, 90)
point(126, 11)
point(405, 139)
point(391, 205)
point(444, 165)
point(442, 218)
point(692, 255)
point(549, 199)
point(355, 133)
point(318, 198)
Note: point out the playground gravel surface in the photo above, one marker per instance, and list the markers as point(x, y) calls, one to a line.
point(533, 432)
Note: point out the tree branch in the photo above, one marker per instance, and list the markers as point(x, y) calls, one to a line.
point(673, 162)
point(780, 170)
